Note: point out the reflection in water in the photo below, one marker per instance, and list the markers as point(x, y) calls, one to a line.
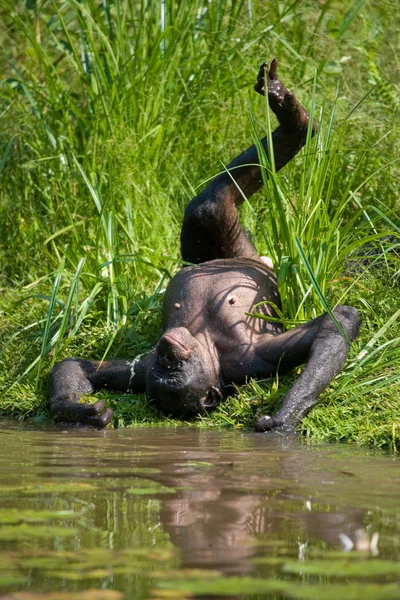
point(129, 510)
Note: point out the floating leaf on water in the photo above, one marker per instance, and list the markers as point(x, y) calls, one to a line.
point(186, 574)
point(148, 487)
point(324, 554)
point(128, 570)
point(222, 586)
point(124, 561)
point(76, 575)
point(10, 516)
point(344, 568)
point(26, 532)
point(50, 487)
point(352, 591)
point(169, 595)
point(91, 594)
point(149, 491)
point(11, 579)
point(146, 470)
point(247, 586)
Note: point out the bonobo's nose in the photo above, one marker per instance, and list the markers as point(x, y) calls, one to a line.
point(171, 351)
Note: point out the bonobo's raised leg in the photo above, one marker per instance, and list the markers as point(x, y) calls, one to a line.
point(211, 227)
point(323, 348)
point(73, 378)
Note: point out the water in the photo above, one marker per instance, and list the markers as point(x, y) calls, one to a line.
point(162, 513)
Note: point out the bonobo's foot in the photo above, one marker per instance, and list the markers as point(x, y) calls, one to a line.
point(283, 103)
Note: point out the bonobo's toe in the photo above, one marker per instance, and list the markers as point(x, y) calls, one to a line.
point(260, 85)
point(263, 70)
point(273, 71)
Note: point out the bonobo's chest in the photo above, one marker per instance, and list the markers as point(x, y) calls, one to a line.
point(216, 296)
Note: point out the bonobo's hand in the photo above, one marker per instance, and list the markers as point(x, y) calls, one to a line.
point(267, 423)
point(74, 378)
point(94, 415)
point(282, 102)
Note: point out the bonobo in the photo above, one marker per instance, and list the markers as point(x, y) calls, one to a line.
point(208, 341)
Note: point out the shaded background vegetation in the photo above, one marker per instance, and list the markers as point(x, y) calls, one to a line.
point(113, 113)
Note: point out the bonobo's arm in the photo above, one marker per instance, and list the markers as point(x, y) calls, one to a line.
point(74, 377)
point(323, 348)
point(287, 139)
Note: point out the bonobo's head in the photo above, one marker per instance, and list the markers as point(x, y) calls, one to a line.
point(183, 379)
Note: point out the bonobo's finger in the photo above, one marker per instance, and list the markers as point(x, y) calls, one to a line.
point(101, 421)
point(273, 72)
point(94, 409)
point(267, 423)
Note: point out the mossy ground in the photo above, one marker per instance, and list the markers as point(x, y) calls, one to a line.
point(110, 121)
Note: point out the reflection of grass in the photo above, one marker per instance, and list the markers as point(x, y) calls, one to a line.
point(109, 121)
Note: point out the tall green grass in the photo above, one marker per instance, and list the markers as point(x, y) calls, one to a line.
point(113, 113)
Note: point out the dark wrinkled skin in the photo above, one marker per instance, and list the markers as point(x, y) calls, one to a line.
point(208, 341)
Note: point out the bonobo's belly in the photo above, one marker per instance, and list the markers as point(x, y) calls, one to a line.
point(216, 296)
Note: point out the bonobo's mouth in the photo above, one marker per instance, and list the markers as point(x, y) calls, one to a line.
point(168, 381)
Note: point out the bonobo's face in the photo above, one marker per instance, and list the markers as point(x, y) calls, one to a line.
point(182, 380)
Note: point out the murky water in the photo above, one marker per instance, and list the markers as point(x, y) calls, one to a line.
point(162, 513)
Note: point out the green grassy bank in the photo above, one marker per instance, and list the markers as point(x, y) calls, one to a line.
point(114, 113)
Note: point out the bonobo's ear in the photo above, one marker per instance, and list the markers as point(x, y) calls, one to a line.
point(212, 398)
